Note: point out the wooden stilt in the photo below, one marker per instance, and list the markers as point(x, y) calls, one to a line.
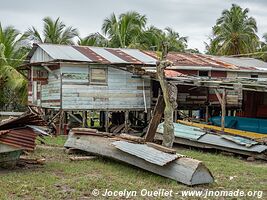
point(106, 121)
point(126, 114)
point(207, 114)
point(84, 119)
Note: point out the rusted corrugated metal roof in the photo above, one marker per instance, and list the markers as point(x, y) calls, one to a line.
point(202, 60)
point(189, 59)
point(105, 55)
point(171, 73)
point(92, 54)
point(145, 152)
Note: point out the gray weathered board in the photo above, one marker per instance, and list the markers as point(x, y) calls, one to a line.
point(185, 170)
point(145, 152)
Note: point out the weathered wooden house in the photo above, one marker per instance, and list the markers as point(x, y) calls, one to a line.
point(78, 78)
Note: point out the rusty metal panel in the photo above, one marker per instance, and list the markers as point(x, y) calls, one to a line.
point(89, 53)
point(124, 56)
point(23, 138)
point(145, 152)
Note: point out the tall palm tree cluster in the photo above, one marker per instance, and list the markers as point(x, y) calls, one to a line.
point(234, 33)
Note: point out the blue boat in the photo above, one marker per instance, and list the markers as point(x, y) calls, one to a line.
point(242, 123)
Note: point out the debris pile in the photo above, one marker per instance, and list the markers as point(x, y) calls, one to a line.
point(19, 134)
point(203, 138)
point(133, 150)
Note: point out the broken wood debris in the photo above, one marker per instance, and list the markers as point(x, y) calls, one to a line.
point(185, 170)
point(23, 160)
point(17, 134)
point(131, 138)
point(161, 148)
point(81, 158)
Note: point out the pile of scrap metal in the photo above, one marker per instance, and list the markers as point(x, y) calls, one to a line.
point(18, 135)
point(204, 138)
point(148, 156)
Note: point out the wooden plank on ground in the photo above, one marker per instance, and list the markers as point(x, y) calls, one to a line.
point(161, 148)
point(153, 125)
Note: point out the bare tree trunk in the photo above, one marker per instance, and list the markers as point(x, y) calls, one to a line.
point(169, 94)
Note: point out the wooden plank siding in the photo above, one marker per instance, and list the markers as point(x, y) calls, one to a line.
point(121, 92)
point(50, 92)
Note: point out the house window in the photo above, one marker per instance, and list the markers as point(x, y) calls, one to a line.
point(203, 73)
point(98, 75)
point(254, 76)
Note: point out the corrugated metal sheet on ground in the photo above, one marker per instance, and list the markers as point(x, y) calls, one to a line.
point(145, 152)
point(219, 141)
point(23, 138)
point(194, 134)
point(183, 131)
point(239, 140)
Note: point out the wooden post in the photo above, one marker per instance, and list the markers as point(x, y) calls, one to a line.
point(207, 114)
point(106, 121)
point(84, 119)
point(61, 122)
point(207, 107)
point(170, 95)
point(126, 122)
point(222, 101)
point(223, 109)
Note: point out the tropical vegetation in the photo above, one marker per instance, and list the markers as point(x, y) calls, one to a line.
point(234, 33)
point(54, 31)
point(13, 84)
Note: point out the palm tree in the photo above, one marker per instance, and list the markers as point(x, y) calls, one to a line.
point(263, 49)
point(95, 39)
point(122, 31)
point(153, 37)
point(235, 32)
point(13, 85)
point(175, 42)
point(149, 39)
point(54, 31)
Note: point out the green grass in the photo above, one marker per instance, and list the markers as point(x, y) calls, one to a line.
point(60, 178)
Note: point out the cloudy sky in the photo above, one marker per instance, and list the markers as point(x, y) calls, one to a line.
point(192, 18)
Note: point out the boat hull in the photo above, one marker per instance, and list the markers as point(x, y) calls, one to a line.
point(9, 156)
